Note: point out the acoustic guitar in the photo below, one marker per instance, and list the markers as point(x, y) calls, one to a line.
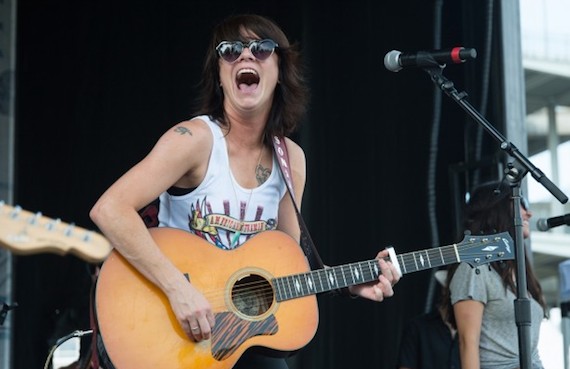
point(262, 294)
point(26, 233)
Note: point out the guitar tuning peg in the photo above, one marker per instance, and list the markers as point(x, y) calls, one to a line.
point(34, 220)
point(50, 226)
point(69, 229)
point(87, 236)
point(15, 212)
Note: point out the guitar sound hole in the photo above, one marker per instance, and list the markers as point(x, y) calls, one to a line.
point(252, 295)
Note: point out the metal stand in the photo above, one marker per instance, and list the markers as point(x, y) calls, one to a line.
point(515, 173)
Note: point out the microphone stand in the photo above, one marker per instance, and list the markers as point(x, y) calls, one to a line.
point(514, 173)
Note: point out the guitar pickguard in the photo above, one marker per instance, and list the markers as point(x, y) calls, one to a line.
point(231, 331)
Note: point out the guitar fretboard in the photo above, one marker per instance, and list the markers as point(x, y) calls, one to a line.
point(476, 250)
point(342, 276)
point(326, 279)
point(427, 259)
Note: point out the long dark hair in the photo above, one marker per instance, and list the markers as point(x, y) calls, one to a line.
point(490, 210)
point(291, 94)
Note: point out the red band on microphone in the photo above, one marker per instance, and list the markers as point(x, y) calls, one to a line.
point(455, 55)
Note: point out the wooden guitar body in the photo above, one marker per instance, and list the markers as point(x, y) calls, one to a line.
point(140, 331)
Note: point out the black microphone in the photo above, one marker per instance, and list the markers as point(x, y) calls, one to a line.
point(395, 60)
point(545, 224)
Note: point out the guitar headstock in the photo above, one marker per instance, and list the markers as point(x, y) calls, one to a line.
point(25, 233)
point(482, 249)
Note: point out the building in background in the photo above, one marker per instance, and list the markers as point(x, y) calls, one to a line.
point(546, 60)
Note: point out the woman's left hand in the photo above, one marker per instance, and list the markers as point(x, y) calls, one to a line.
point(379, 290)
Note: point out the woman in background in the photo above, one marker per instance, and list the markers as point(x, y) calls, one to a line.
point(482, 299)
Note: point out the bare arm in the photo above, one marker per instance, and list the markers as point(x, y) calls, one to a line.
point(469, 317)
point(175, 159)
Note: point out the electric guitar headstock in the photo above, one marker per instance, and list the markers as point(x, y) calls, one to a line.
point(25, 233)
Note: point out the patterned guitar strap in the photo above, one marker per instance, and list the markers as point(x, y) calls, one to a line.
point(306, 242)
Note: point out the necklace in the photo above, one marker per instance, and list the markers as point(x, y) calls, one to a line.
point(243, 206)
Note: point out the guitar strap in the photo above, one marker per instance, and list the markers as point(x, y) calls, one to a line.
point(306, 242)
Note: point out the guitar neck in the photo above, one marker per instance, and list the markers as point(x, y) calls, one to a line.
point(327, 279)
point(332, 278)
point(475, 250)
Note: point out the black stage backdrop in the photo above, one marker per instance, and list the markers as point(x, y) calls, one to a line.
point(99, 81)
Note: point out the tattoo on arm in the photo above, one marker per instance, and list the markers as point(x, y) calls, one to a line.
point(182, 130)
point(261, 174)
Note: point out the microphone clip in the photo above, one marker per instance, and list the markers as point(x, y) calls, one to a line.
point(4, 312)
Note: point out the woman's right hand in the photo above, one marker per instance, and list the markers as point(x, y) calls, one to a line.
point(193, 311)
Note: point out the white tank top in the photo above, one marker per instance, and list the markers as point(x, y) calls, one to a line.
point(219, 209)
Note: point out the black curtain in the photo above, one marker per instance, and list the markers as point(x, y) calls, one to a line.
point(98, 82)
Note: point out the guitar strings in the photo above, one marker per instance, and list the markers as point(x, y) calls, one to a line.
point(263, 292)
point(449, 251)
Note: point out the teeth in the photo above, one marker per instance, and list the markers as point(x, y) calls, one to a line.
point(247, 76)
point(246, 70)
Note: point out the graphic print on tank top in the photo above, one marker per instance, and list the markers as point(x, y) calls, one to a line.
point(221, 229)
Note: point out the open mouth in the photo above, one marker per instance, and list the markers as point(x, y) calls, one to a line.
point(247, 79)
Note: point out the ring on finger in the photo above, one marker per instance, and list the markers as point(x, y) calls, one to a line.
point(194, 329)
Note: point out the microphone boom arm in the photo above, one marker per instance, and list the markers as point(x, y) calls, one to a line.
point(460, 98)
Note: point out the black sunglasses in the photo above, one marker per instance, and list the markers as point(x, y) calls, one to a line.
point(230, 51)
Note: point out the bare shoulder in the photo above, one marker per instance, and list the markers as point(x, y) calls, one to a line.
point(189, 136)
point(183, 151)
point(183, 147)
point(194, 128)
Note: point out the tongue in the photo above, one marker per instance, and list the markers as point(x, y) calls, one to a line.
point(247, 88)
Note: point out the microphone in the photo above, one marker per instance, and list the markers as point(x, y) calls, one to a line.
point(545, 224)
point(395, 60)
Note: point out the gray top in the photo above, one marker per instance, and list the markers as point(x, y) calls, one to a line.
point(498, 346)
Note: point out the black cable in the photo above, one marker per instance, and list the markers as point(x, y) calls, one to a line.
point(485, 72)
point(433, 154)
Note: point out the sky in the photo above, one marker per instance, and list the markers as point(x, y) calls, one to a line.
point(545, 28)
